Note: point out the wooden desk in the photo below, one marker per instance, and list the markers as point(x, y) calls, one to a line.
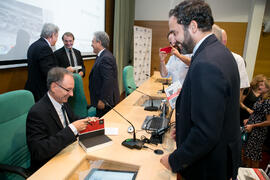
point(68, 162)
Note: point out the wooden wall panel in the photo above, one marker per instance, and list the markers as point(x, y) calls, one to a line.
point(262, 65)
point(12, 79)
point(236, 37)
point(236, 32)
point(15, 78)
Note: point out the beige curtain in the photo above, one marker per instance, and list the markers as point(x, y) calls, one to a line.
point(124, 14)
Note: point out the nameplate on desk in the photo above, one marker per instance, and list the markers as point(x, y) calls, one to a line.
point(93, 137)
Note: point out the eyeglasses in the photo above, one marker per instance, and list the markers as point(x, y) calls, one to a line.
point(68, 90)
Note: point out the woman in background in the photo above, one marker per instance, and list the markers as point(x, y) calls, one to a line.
point(250, 96)
point(256, 126)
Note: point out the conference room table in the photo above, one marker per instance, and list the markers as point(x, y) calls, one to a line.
point(74, 163)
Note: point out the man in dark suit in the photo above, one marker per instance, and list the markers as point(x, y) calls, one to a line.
point(40, 60)
point(103, 82)
point(207, 109)
point(51, 124)
point(69, 57)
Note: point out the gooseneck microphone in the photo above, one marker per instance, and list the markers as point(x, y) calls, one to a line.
point(130, 143)
point(147, 108)
point(166, 82)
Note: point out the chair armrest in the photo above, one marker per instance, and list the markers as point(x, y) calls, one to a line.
point(92, 111)
point(15, 169)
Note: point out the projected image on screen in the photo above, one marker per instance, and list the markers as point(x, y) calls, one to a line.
point(19, 24)
point(22, 21)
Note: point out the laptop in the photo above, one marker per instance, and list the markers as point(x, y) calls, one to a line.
point(154, 123)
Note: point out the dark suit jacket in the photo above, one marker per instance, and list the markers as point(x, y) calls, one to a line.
point(207, 116)
point(40, 60)
point(103, 82)
point(45, 133)
point(63, 60)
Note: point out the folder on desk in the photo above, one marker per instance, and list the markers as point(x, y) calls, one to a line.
point(93, 137)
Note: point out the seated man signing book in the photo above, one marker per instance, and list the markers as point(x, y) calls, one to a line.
point(51, 124)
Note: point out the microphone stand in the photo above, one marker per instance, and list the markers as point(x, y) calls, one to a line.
point(129, 143)
point(162, 91)
point(147, 108)
point(165, 83)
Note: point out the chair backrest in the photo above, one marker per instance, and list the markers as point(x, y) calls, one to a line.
point(78, 101)
point(14, 107)
point(128, 80)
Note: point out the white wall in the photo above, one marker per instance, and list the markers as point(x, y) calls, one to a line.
point(223, 10)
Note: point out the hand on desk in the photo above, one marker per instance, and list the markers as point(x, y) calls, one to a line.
point(81, 124)
point(165, 161)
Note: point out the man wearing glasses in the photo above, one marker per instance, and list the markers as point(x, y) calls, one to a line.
point(51, 125)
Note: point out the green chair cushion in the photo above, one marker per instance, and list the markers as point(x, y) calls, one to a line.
point(14, 109)
point(128, 80)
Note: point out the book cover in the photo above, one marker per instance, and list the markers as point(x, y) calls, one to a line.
point(93, 137)
point(252, 174)
point(172, 93)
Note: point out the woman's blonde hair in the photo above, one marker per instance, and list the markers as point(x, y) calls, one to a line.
point(254, 84)
point(267, 85)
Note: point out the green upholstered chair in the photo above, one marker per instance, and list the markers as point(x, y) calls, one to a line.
point(128, 80)
point(78, 101)
point(14, 153)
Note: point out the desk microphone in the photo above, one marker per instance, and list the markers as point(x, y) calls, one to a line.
point(166, 82)
point(162, 90)
point(147, 108)
point(130, 143)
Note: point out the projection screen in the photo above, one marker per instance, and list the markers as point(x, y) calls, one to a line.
point(21, 22)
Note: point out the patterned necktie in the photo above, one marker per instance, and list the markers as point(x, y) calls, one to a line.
point(71, 58)
point(64, 114)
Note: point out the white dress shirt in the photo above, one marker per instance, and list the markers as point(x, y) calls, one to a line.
point(59, 111)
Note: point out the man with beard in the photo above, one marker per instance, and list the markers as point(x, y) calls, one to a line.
point(207, 110)
point(178, 63)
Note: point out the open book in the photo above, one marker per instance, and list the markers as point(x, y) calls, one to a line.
point(93, 137)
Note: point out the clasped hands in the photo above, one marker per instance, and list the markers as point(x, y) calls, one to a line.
point(248, 127)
